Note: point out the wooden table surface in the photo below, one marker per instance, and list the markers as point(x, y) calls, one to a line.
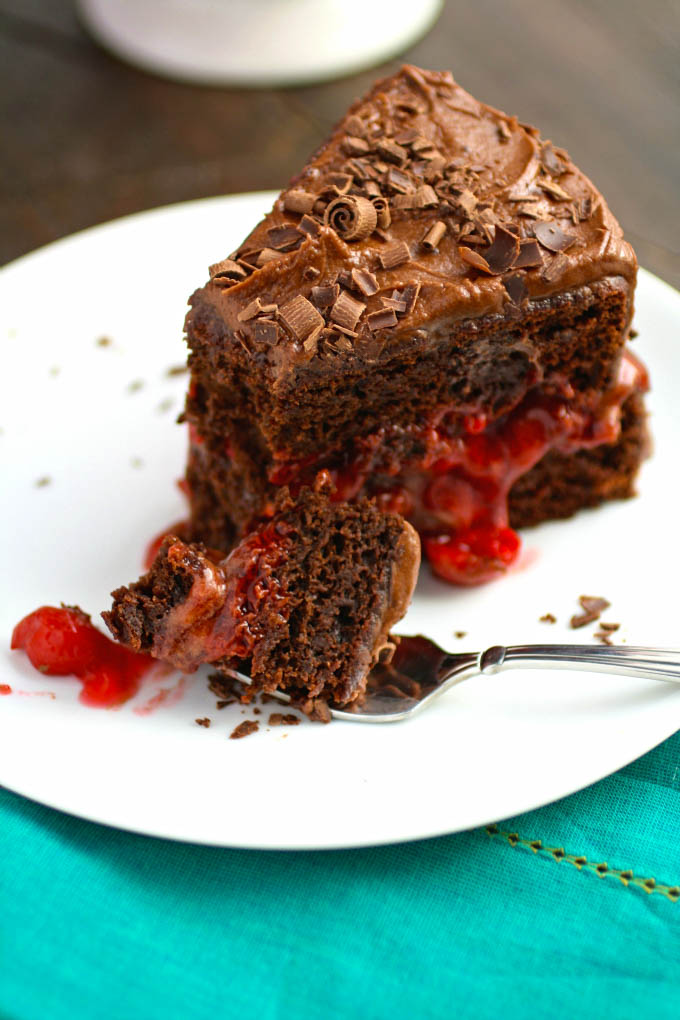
point(85, 138)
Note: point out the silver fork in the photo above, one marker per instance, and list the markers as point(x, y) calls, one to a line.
point(420, 671)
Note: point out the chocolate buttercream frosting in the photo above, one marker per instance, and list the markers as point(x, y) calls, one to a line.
point(423, 186)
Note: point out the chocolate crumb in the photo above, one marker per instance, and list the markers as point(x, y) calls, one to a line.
point(460, 633)
point(548, 618)
point(42, 482)
point(54, 371)
point(104, 341)
point(593, 606)
point(603, 636)
point(203, 722)
point(176, 370)
point(281, 719)
point(135, 386)
point(165, 405)
point(244, 729)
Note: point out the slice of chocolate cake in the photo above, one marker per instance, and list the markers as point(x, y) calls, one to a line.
point(433, 315)
point(304, 603)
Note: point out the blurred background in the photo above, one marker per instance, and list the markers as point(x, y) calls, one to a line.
point(86, 137)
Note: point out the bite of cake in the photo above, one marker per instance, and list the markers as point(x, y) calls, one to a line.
point(303, 604)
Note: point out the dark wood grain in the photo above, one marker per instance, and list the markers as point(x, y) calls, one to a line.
point(85, 138)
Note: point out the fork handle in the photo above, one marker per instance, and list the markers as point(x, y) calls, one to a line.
point(652, 663)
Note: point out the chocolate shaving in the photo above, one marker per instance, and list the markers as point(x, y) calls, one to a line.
point(250, 311)
point(467, 201)
point(552, 238)
point(268, 255)
point(301, 317)
point(396, 303)
point(398, 181)
point(554, 190)
point(516, 288)
point(308, 225)
point(425, 197)
point(364, 282)
point(347, 311)
point(285, 237)
point(410, 295)
point(354, 125)
point(529, 254)
point(227, 271)
point(352, 217)
point(384, 318)
point(311, 273)
point(504, 133)
point(394, 254)
point(609, 627)
point(551, 161)
point(501, 254)
point(244, 729)
point(548, 618)
point(593, 606)
point(355, 146)
point(473, 258)
point(391, 151)
point(265, 331)
point(324, 297)
point(382, 208)
point(555, 267)
point(434, 235)
point(299, 201)
point(341, 182)
point(203, 722)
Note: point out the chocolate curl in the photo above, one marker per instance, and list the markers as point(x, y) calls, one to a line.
point(434, 235)
point(382, 208)
point(347, 311)
point(227, 272)
point(301, 317)
point(299, 201)
point(384, 318)
point(352, 217)
point(393, 255)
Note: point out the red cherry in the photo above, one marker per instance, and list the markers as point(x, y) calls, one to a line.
point(473, 555)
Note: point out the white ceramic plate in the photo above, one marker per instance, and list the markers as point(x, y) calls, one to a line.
point(96, 421)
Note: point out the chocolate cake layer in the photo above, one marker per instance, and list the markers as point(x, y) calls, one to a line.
point(304, 604)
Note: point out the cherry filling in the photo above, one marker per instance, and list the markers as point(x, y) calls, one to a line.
point(452, 476)
point(222, 616)
point(63, 642)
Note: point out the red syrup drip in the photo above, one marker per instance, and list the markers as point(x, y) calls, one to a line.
point(5, 689)
point(454, 488)
point(63, 642)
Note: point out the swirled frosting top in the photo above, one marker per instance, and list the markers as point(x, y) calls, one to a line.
point(424, 206)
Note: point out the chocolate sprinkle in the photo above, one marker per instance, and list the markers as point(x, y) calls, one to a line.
point(394, 254)
point(551, 237)
point(301, 317)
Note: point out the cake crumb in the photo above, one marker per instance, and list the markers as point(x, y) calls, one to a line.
point(593, 606)
point(176, 370)
point(104, 341)
point(281, 719)
point(42, 482)
point(257, 711)
point(609, 627)
point(460, 633)
point(547, 618)
point(203, 722)
point(244, 729)
point(603, 636)
point(316, 709)
point(226, 701)
point(135, 386)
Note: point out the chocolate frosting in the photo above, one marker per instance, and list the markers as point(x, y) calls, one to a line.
point(426, 154)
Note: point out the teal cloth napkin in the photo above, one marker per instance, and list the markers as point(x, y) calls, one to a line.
point(510, 920)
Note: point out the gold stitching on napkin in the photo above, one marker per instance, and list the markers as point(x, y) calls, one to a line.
point(626, 876)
